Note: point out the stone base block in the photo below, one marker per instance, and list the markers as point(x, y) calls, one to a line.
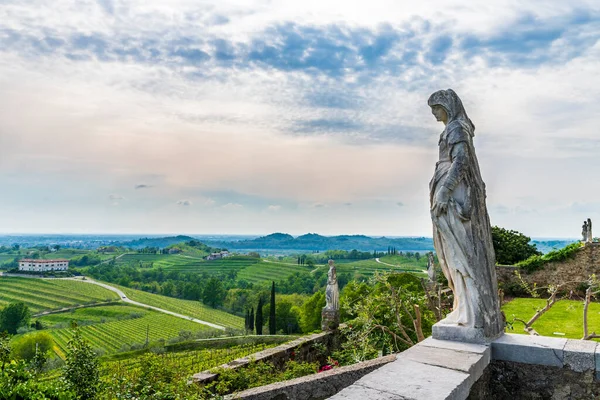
point(460, 334)
point(330, 319)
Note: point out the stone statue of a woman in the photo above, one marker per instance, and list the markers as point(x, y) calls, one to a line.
point(461, 228)
point(332, 292)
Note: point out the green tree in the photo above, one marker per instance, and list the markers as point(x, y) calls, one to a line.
point(81, 372)
point(259, 317)
point(252, 320)
point(13, 316)
point(213, 293)
point(310, 312)
point(288, 317)
point(24, 347)
point(272, 312)
point(512, 246)
point(5, 349)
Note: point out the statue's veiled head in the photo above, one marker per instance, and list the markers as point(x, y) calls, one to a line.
point(452, 105)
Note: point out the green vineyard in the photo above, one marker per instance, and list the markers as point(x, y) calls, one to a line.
point(396, 264)
point(270, 271)
point(120, 335)
point(186, 307)
point(188, 362)
point(51, 294)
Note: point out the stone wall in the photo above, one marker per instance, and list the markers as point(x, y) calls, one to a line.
point(538, 367)
point(585, 262)
point(303, 349)
point(505, 380)
point(314, 387)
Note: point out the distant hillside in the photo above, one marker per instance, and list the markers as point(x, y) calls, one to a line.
point(313, 241)
point(156, 242)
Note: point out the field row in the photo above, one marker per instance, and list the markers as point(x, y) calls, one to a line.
point(186, 307)
point(119, 335)
point(190, 362)
point(51, 294)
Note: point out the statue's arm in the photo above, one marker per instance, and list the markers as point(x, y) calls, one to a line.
point(460, 159)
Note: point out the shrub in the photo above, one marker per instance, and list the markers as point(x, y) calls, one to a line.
point(537, 262)
point(24, 348)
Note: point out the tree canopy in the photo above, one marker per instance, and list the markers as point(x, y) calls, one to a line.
point(512, 246)
point(13, 316)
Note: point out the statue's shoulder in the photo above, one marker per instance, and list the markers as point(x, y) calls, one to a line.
point(456, 133)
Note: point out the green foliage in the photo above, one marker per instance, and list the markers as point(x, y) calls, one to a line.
point(258, 324)
point(537, 262)
point(26, 346)
point(213, 293)
point(288, 318)
point(310, 314)
point(511, 246)
point(17, 381)
point(14, 316)
point(258, 374)
point(273, 313)
point(81, 372)
point(384, 316)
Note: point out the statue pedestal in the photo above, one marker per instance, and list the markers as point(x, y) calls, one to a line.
point(330, 319)
point(459, 333)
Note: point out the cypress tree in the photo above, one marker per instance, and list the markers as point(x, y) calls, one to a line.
point(272, 321)
point(259, 317)
point(251, 320)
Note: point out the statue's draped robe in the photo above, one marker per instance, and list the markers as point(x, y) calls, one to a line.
point(332, 292)
point(462, 234)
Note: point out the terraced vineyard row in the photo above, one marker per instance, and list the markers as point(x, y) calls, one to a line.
point(189, 362)
point(50, 294)
point(369, 267)
point(270, 271)
point(186, 307)
point(112, 336)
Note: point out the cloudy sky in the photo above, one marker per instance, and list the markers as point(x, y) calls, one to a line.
point(232, 116)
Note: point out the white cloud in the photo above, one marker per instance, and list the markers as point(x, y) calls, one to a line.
point(232, 206)
point(274, 207)
point(184, 203)
point(189, 128)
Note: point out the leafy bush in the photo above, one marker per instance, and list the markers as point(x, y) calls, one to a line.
point(537, 262)
point(24, 347)
point(257, 374)
point(512, 246)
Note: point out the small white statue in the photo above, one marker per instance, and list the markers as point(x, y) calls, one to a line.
point(332, 293)
point(431, 267)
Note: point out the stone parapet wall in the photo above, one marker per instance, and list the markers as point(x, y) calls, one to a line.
point(302, 349)
point(572, 272)
point(317, 386)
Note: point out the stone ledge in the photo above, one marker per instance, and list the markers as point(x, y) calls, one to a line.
point(317, 386)
point(281, 352)
point(527, 349)
point(579, 355)
point(432, 370)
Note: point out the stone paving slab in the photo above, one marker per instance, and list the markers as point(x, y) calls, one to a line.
point(452, 345)
point(538, 350)
point(364, 393)
point(580, 355)
point(412, 380)
point(431, 370)
point(470, 363)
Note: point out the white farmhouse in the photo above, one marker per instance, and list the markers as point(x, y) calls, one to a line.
point(37, 265)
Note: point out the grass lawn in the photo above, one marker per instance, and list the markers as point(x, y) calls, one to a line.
point(566, 316)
